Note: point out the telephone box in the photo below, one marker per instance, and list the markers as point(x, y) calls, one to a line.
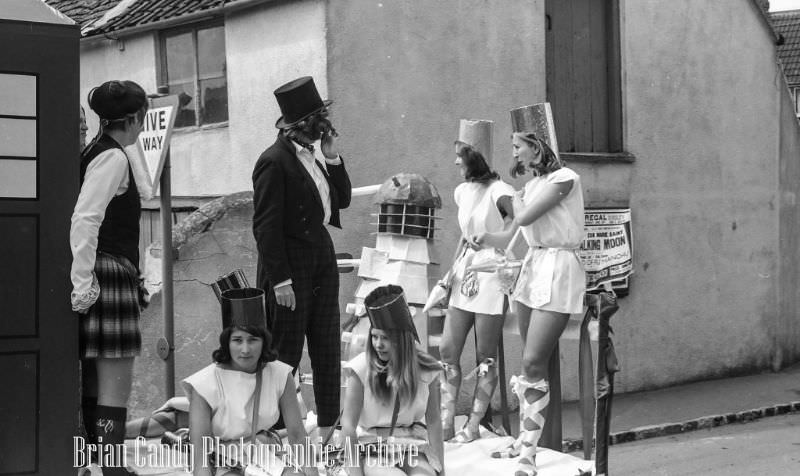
point(39, 157)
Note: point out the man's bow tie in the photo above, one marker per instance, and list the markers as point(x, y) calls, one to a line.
point(308, 147)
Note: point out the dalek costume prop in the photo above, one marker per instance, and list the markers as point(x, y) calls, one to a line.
point(402, 255)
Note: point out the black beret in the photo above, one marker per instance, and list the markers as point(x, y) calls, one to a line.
point(114, 100)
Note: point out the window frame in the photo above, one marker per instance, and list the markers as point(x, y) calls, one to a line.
point(796, 97)
point(615, 134)
point(161, 71)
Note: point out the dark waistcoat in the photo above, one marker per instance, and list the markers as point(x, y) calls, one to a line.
point(119, 232)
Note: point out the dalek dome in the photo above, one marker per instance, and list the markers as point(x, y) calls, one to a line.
point(409, 189)
point(407, 205)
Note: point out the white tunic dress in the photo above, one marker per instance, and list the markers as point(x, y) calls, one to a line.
point(376, 415)
point(552, 276)
point(478, 213)
point(229, 393)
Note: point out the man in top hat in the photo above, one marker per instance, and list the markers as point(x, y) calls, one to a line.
point(299, 185)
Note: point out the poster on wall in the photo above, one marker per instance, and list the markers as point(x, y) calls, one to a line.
point(607, 248)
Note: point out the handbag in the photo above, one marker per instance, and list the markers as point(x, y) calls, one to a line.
point(510, 271)
point(440, 294)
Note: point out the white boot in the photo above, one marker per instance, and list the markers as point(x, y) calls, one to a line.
point(485, 383)
point(449, 391)
point(534, 398)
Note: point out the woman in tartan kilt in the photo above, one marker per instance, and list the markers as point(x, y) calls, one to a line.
point(104, 238)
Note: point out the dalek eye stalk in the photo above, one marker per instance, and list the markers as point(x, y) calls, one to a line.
point(403, 253)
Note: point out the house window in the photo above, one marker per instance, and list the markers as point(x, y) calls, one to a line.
point(582, 51)
point(797, 101)
point(193, 67)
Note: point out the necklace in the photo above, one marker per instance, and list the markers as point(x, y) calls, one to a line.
point(382, 368)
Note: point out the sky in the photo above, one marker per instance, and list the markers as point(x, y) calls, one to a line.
point(778, 5)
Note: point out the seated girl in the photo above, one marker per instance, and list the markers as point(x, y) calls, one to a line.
point(393, 390)
point(245, 374)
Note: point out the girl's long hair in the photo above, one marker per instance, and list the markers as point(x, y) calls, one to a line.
point(550, 161)
point(401, 374)
point(477, 168)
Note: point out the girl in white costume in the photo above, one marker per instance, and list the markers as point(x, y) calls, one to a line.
point(222, 395)
point(393, 390)
point(551, 284)
point(484, 206)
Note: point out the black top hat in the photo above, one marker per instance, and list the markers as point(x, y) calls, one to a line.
point(387, 309)
point(298, 99)
point(243, 307)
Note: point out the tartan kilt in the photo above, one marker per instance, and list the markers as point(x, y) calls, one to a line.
point(111, 327)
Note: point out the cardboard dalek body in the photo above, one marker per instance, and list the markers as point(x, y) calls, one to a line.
point(403, 254)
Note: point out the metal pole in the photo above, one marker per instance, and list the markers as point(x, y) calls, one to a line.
point(501, 357)
point(607, 365)
point(586, 383)
point(551, 433)
point(166, 276)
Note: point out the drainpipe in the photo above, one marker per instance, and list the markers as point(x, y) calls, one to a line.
point(777, 347)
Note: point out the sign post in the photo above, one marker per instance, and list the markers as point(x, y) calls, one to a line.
point(154, 141)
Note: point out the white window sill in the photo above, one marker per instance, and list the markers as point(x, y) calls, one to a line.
point(205, 127)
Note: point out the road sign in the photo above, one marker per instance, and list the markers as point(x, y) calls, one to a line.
point(155, 137)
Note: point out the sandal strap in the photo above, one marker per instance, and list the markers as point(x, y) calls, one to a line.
point(162, 419)
point(465, 435)
point(510, 451)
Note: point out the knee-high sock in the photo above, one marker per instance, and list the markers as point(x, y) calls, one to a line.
point(110, 429)
point(88, 410)
point(449, 391)
point(485, 384)
point(534, 398)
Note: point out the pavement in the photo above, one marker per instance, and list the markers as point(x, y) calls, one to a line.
point(693, 406)
point(768, 446)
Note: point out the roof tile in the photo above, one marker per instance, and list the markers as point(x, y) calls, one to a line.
point(788, 24)
point(139, 12)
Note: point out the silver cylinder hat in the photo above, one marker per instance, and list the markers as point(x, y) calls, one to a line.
point(477, 133)
point(538, 119)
